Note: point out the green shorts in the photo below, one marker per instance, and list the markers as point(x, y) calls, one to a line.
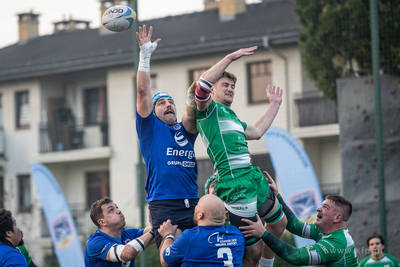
point(245, 194)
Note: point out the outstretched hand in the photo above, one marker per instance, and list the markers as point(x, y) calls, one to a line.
point(272, 184)
point(144, 37)
point(256, 229)
point(274, 95)
point(242, 52)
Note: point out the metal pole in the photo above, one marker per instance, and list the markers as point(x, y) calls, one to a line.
point(378, 117)
point(140, 163)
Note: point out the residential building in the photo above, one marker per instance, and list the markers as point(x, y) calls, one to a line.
point(67, 101)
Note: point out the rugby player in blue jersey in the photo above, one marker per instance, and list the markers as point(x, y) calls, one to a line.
point(167, 147)
point(112, 245)
point(211, 243)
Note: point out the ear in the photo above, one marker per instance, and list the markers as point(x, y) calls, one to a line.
point(8, 233)
point(101, 222)
point(338, 218)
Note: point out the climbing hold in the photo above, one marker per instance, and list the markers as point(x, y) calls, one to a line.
point(392, 131)
point(373, 165)
point(376, 186)
point(359, 147)
point(360, 165)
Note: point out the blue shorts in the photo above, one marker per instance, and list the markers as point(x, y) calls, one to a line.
point(176, 210)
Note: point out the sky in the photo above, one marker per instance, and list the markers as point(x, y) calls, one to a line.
point(51, 11)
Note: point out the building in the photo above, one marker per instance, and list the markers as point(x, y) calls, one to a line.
point(67, 101)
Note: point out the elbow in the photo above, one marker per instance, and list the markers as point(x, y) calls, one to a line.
point(163, 263)
point(127, 256)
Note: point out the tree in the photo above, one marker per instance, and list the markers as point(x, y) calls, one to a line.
point(335, 39)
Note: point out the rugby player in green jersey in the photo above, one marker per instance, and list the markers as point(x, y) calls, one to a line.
point(376, 244)
point(334, 246)
point(241, 186)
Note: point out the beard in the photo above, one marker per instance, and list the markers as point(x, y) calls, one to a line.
point(21, 243)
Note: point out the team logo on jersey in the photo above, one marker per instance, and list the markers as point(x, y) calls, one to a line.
point(180, 139)
point(177, 126)
point(62, 230)
point(216, 234)
point(304, 205)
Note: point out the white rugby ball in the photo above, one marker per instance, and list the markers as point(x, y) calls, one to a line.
point(118, 18)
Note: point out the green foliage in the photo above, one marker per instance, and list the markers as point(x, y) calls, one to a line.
point(335, 39)
point(152, 256)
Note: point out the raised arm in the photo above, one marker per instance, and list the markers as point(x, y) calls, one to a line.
point(258, 129)
point(144, 97)
point(189, 117)
point(211, 76)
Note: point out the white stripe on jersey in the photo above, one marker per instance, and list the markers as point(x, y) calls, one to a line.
point(306, 230)
point(227, 125)
point(239, 161)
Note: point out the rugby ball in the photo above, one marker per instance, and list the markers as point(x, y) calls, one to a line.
point(118, 18)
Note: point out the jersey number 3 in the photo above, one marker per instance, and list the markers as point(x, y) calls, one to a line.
point(228, 252)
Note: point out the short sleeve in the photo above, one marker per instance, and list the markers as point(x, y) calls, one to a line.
point(175, 254)
point(98, 248)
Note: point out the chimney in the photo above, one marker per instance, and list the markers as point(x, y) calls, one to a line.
point(106, 4)
point(70, 25)
point(28, 25)
point(231, 9)
point(210, 4)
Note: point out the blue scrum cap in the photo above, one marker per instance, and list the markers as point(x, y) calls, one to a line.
point(160, 95)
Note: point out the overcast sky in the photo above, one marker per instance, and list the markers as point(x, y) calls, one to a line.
point(56, 10)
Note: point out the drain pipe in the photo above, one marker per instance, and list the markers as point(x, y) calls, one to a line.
point(267, 45)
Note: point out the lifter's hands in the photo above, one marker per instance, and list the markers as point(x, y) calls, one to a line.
point(242, 52)
point(272, 184)
point(256, 229)
point(167, 228)
point(144, 37)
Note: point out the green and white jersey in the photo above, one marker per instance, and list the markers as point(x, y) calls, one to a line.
point(336, 249)
point(386, 261)
point(223, 135)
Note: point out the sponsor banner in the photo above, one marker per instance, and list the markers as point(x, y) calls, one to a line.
point(58, 216)
point(298, 183)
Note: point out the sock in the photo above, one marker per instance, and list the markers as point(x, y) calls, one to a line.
point(266, 262)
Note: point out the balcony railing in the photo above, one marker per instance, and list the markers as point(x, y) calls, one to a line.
point(69, 135)
point(313, 109)
point(2, 143)
point(80, 215)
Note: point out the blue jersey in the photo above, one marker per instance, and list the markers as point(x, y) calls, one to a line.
point(168, 152)
point(206, 246)
point(100, 243)
point(9, 256)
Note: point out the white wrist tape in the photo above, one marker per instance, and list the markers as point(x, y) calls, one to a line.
point(190, 100)
point(170, 236)
point(144, 55)
point(137, 244)
point(115, 253)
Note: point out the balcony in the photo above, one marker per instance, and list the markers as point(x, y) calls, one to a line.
point(331, 189)
point(69, 135)
point(313, 109)
point(80, 215)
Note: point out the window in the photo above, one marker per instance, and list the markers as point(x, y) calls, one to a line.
point(1, 112)
point(23, 113)
point(204, 170)
point(24, 193)
point(1, 192)
point(97, 186)
point(263, 161)
point(259, 77)
point(95, 105)
point(194, 75)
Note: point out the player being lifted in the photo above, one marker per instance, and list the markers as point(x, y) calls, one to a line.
point(242, 187)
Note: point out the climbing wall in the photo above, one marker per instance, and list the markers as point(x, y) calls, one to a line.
point(356, 106)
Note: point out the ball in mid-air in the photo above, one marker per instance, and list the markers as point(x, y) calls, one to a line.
point(118, 18)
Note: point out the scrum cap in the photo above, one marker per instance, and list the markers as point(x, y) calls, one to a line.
point(158, 96)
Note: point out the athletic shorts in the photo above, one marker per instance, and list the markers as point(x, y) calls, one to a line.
point(246, 196)
point(179, 211)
